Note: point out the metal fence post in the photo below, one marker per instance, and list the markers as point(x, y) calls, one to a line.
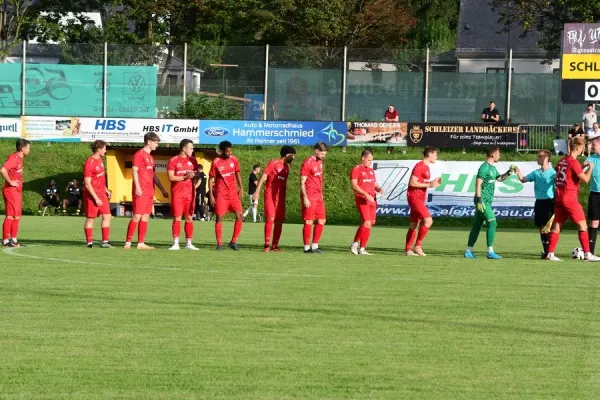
point(559, 96)
point(185, 55)
point(509, 84)
point(426, 97)
point(344, 80)
point(266, 82)
point(105, 81)
point(23, 77)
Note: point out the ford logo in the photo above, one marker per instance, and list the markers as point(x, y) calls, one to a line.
point(216, 131)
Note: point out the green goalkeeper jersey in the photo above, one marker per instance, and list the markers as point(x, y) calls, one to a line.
point(489, 174)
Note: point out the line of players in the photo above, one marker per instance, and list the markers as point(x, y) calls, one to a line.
point(556, 196)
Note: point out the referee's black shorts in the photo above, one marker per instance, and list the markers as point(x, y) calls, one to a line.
point(543, 211)
point(594, 206)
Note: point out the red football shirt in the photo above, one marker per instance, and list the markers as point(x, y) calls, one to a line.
point(568, 170)
point(391, 115)
point(366, 179)
point(181, 166)
point(312, 169)
point(224, 171)
point(94, 168)
point(277, 173)
point(14, 167)
point(423, 174)
point(145, 164)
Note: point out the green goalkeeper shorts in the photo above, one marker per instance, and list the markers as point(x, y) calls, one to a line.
point(487, 214)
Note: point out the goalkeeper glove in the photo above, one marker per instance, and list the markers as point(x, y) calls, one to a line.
point(479, 204)
point(512, 169)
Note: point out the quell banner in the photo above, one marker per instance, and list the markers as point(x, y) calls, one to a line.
point(374, 134)
point(273, 133)
point(454, 197)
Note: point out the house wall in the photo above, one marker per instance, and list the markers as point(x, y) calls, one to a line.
point(32, 60)
point(520, 66)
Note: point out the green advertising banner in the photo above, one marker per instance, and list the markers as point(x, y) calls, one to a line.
point(76, 90)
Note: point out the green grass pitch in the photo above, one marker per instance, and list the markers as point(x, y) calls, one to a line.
point(111, 324)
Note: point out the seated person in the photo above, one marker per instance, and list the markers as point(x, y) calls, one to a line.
point(73, 198)
point(575, 131)
point(50, 197)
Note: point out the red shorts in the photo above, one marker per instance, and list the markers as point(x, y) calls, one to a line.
point(568, 209)
point(92, 210)
point(275, 209)
point(224, 204)
point(182, 206)
point(13, 202)
point(366, 210)
point(315, 211)
point(418, 211)
point(142, 205)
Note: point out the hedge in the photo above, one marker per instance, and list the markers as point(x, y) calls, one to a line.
point(63, 162)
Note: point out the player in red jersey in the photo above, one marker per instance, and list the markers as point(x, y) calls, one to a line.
point(566, 204)
point(182, 170)
point(96, 195)
point(274, 178)
point(12, 171)
point(420, 181)
point(144, 179)
point(311, 197)
point(364, 184)
point(225, 192)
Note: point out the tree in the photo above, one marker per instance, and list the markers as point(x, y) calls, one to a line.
point(14, 24)
point(437, 22)
point(547, 17)
point(201, 106)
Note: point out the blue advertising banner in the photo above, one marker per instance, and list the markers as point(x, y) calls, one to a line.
point(67, 90)
point(253, 110)
point(273, 133)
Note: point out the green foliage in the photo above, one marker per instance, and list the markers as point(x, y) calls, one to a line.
point(202, 106)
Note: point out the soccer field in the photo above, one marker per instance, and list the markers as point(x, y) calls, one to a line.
point(96, 323)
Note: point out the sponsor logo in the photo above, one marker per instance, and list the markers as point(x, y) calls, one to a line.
point(416, 134)
point(137, 83)
point(216, 131)
point(8, 128)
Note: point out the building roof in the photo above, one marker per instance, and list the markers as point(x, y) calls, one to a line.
point(480, 34)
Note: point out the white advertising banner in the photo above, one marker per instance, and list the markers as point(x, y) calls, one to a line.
point(52, 129)
point(10, 128)
point(454, 197)
point(132, 130)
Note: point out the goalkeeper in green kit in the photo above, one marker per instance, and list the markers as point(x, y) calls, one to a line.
point(487, 176)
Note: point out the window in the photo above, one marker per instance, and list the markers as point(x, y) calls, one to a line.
point(497, 70)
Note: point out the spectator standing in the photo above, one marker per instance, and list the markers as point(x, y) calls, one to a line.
point(391, 115)
point(575, 131)
point(491, 114)
point(201, 194)
point(252, 183)
point(589, 118)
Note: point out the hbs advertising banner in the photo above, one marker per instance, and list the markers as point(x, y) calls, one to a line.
point(273, 133)
point(454, 197)
point(60, 89)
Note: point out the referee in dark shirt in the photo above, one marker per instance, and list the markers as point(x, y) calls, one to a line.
point(252, 182)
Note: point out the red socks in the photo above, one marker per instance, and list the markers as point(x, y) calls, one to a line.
point(142, 229)
point(88, 235)
point(268, 229)
point(358, 235)
point(105, 234)
point(6, 227)
point(219, 233)
point(366, 233)
point(584, 239)
point(410, 238)
point(306, 234)
point(317, 232)
point(553, 239)
point(423, 230)
point(176, 229)
point(277, 234)
point(131, 230)
point(14, 229)
point(189, 230)
point(237, 229)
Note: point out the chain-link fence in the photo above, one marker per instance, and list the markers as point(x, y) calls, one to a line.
point(283, 83)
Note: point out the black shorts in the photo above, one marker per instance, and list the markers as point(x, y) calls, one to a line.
point(51, 201)
point(594, 206)
point(543, 211)
point(73, 201)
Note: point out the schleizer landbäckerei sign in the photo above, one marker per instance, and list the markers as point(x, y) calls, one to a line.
point(581, 63)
